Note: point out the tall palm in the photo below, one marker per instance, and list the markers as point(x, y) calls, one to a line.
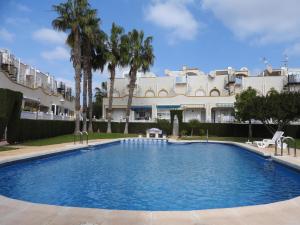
point(115, 58)
point(71, 18)
point(89, 38)
point(140, 57)
point(98, 61)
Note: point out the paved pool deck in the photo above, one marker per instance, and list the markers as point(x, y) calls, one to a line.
point(16, 212)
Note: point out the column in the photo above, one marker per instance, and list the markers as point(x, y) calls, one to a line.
point(208, 113)
point(34, 84)
point(131, 116)
point(18, 74)
point(103, 112)
point(23, 104)
point(154, 113)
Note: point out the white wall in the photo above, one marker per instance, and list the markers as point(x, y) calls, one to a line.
point(35, 93)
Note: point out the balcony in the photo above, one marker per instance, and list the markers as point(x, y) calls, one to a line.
point(294, 79)
point(44, 116)
point(181, 80)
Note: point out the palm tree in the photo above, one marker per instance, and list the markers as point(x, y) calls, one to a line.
point(89, 38)
point(98, 61)
point(140, 57)
point(114, 58)
point(71, 18)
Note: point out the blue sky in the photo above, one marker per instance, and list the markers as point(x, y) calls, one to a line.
point(207, 34)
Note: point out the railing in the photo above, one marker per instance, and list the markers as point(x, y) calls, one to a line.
point(282, 141)
point(87, 137)
point(44, 116)
point(181, 80)
point(229, 80)
point(294, 79)
point(80, 137)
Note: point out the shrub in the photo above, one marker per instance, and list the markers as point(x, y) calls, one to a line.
point(165, 126)
point(183, 133)
point(193, 124)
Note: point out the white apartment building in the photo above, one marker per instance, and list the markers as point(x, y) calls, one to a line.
point(206, 97)
point(43, 96)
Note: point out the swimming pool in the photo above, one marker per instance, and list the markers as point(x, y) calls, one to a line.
point(151, 176)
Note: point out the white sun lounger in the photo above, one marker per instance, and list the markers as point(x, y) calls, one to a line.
point(267, 142)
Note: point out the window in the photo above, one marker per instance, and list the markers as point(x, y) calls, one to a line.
point(214, 93)
point(163, 93)
point(149, 93)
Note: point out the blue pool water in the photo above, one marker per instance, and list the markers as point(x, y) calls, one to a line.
point(157, 176)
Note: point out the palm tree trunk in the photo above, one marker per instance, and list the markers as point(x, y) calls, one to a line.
point(77, 66)
point(90, 93)
point(110, 100)
point(84, 94)
point(130, 95)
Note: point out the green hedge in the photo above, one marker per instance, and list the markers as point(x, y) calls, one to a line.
point(117, 127)
point(214, 129)
point(25, 130)
point(10, 110)
point(3, 123)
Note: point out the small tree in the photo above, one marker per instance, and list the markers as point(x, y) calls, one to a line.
point(194, 123)
point(277, 109)
point(244, 107)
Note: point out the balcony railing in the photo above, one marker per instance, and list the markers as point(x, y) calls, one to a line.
point(181, 80)
point(44, 116)
point(294, 79)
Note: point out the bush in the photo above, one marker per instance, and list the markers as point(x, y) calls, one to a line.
point(183, 133)
point(194, 124)
point(165, 126)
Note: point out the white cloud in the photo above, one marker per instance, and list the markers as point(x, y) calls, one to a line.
point(59, 53)
point(47, 35)
point(17, 21)
point(22, 7)
point(259, 21)
point(175, 17)
point(293, 50)
point(5, 35)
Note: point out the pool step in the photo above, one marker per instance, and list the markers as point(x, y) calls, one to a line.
point(144, 141)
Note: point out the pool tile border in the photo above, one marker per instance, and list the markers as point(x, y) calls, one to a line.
point(26, 213)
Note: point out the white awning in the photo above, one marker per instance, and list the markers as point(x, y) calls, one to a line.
point(193, 106)
point(117, 106)
point(225, 105)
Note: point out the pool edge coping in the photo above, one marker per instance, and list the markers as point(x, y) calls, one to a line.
point(29, 156)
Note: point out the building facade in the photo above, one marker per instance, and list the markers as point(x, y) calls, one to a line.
point(205, 97)
point(43, 96)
